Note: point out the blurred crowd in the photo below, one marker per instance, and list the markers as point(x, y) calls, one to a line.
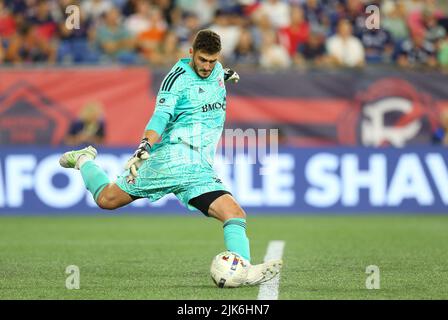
point(271, 34)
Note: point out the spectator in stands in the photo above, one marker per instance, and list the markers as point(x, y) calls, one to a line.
point(2, 54)
point(354, 13)
point(27, 47)
point(76, 45)
point(443, 53)
point(312, 52)
point(378, 46)
point(95, 9)
point(8, 25)
point(334, 10)
point(277, 11)
point(185, 25)
point(344, 49)
point(115, 42)
point(442, 5)
point(261, 25)
point(238, 19)
point(433, 31)
point(139, 21)
point(43, 22)
point(414, 5)
point(440, 136)
point(416, 19)
point(39, 34)
point(296, 33)
point(417, 52)
point(229, 33)
point(88, 128)
point(166, 7)
point(33, 31)
point(167, 52)
point(205, 10)
point(234, 6)
point(394, 21)
point(273, 55)
point(129, 7)
point(119, 4)
point(150, 40)
point(315, 15)
point(245, 52)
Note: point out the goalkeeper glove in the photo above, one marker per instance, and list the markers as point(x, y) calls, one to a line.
point(231, 76)
point(140, 155)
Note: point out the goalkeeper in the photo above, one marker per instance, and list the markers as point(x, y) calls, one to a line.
point(188, 120)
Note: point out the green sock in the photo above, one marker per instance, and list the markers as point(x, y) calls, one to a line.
point(94, 178)
point(235, 237)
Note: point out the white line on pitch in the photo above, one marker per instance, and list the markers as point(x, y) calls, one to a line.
point(269, 289)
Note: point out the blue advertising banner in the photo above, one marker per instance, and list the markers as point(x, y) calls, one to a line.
point(295, 181)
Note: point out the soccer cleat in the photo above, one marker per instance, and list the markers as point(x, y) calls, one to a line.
point(263, 272)
point(70, 158)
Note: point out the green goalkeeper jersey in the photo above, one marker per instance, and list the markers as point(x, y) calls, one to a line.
point(190, 110)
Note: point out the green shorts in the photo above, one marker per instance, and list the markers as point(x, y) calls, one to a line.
point(172, 168)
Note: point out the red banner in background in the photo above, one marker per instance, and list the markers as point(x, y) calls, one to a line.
point(37, 106)
point(312, 109)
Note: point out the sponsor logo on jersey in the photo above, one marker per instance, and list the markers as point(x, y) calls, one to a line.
point(214, 106)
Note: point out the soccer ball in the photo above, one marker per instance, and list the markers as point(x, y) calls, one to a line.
point(229, 270)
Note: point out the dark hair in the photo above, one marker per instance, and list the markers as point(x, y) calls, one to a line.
point(207, 41)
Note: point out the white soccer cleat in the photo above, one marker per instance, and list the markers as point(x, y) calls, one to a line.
point(70, 158)
point(263, 272)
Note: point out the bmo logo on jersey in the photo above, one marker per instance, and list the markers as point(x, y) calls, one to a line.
point(214, 106)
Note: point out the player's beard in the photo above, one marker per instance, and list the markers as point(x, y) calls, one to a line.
point(197, 70)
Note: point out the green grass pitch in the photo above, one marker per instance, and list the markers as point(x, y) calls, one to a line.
point(168, 257)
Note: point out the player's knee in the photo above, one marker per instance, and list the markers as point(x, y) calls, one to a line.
point(106, 201)
point(238, 214)
point(105, 204)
